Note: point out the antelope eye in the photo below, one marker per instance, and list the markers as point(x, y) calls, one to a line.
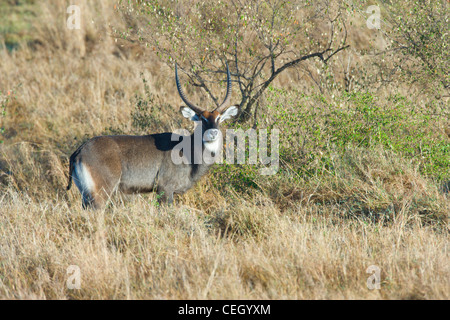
point(204, 119)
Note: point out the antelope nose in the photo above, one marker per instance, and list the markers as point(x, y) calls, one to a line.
point(213, 133)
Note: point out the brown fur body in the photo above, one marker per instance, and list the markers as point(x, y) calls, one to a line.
point(132, 164)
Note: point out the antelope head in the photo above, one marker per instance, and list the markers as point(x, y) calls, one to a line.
point(209, 120)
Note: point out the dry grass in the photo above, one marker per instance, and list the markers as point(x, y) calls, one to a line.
point(285, 240)
point(136, 251)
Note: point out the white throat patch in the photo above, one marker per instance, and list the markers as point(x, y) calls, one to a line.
point(213, 146)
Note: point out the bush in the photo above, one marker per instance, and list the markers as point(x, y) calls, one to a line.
point(312, 136)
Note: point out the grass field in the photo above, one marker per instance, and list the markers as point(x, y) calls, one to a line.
point(363, 181)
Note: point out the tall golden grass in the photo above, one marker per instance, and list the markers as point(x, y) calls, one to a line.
point(281, 242)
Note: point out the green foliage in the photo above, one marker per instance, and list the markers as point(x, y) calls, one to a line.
point(312, 136)
point(314, 131)
point(362, 155)
point(243, 178)
point(240, 177)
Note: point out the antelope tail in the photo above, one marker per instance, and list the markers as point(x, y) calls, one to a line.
point(70, 171)
point(72, 159)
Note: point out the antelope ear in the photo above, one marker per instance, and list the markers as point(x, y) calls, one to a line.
point(188, 113)
point(229, 113)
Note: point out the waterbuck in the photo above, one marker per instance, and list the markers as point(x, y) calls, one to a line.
point(137, 164)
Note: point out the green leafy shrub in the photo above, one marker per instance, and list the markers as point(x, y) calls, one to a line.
point(313, 130)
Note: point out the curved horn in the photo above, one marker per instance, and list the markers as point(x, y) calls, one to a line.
point(183, 97)
point(226, 101)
